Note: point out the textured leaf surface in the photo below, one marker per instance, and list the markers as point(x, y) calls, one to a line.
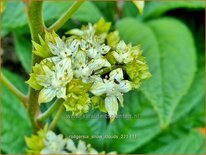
point(193, 143)
point(154, 9)
point(194, 97)
point(136, 131)
point(131, 132)
point(15, 122)
point(168, 59)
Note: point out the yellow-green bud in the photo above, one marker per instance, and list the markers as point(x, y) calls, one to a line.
point(77, 104)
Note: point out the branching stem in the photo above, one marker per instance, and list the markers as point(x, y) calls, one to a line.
point(14, 90)
point(50, 111)
point(57, 116)
point(66, 16)
point(36, 25)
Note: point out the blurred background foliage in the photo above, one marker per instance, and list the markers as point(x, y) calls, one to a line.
point(170, 105)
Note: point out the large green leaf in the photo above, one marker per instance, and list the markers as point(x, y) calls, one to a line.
point(110, 6)
point(193, 98)
point(140, 128)
point(135, 131)
point(193, 143)
point(23, 49)
point(155, 9)
point(14, 16)
point(86, 127)
point(189, 114)
point(169, 55)
point(15, 121)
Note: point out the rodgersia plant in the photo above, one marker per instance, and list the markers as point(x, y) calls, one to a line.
point(89, 67)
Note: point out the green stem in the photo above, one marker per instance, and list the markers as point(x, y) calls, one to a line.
point(51, 110)
point(56, 118)
point(66, 16)
point(14, 90)
point(37, 28)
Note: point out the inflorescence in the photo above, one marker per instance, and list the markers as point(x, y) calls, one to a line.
point(89, 67)
point(47, 142)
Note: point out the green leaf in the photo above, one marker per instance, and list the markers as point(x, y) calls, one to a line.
point(130, 10)
point(193, 98)
point(155, 9)
point(193, 143)
point(23, 49)
point(14, 17)
point(169, 55)
point(110, 6)
point(135, 131)
point(189, 114)
point(15, 121)
point(87, 127)
point(140, 130)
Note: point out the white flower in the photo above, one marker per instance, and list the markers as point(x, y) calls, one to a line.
point(113, 88)
point(125, 53)
point(55, 81)
point(97, 51)
point(87, 32)
point(92, 44)
point(54, 144)
point(81, 148)
point(83, 68)
point(62, 50)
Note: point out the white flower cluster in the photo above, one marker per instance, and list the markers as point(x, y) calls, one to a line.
point(56, 144)
point(47, 142)
point(88, 66)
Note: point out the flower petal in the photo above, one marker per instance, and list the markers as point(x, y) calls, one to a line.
point(111, 106)
point(116, 74)
point(81, 148)
point(64, 71)
point(46, 95)
point(61, 93)
point(124, 86)
point(80, 59)
point(97, 64)
point(120, 98)
point(117, 56)
point(98, 88)
point(71, 146)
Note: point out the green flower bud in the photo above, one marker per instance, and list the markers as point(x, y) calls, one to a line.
point(102, 27)
point(98, 103)
point(50, 37)
point(38, 70)
point(35, 143)
point(111, 58)
point(77, 104)
point(42, 49)
point(138, 71)
point(113, 39)
point(78, 87)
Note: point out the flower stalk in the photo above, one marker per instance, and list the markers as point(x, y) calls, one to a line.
point(37, 28)
point(14, 90)
point(66, 16)
point(50, 111)
point(57, 116)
